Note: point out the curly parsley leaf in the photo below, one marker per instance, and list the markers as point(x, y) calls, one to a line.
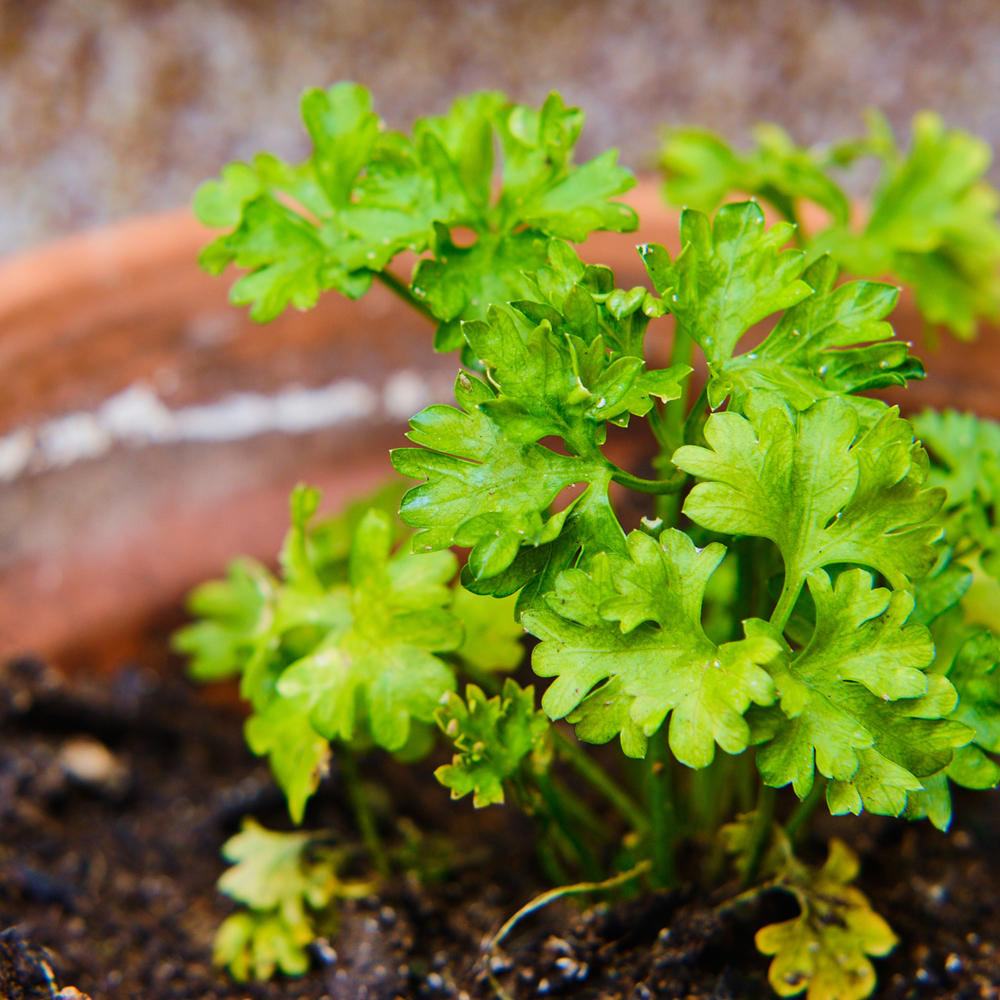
point(932, 223)
point(967, 655)
point(634, 626)
point(974, 674)
point(298, 755)
point(826, 948)
point(366, 194)
point(856, 703)
point(822, 491)
point(282, 878)
point(731, 274)
point(485, 490)
point(492, 737)
point(377, 667)
point(965, 453)
point(221, 643)
point(701, 169)
point(813, 351)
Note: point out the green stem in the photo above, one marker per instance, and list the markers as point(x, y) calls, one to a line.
point(566, 827)
point(662, 815)
point(789, 595)
point(549, 860)
point(399, 287)
point(760, 831)
point(577, 809)
point(797, 822)
point(676, 409)
point(363, 815)
point(669, 431)
point(600, 780)
point(543, 900)
point(656, 486)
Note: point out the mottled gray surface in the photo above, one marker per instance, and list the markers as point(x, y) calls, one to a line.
point(110, 107)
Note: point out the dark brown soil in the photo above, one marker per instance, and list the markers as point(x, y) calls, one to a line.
point(110, 887)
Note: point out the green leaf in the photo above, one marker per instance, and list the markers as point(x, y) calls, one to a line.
point(268, 869)
point(701, 169)
point(820, 490)
point(282, 877)
point(377, 668)
point(298, 755)
point(492, 738)
point(812, 354)
point(365, 194)
point(635, 626)
point(856, 704)
point(492, 636)
point(540, 185)
point(933, 223)
point(483, 489)
point(825, 949)
point(973, 672)
point(255, 945)
point(977, 680)
point(731, 274)
point(231, 610)
point(966, 451)
point(460, 282)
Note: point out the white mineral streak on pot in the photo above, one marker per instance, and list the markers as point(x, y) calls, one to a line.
point(138, 417)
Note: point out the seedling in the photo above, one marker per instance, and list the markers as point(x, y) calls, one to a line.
point(790, 611)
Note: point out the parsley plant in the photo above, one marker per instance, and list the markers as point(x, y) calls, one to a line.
point(792, 612)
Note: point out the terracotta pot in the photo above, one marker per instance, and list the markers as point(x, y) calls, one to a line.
point(92, 549)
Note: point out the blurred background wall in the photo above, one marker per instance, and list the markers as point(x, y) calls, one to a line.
point(112, 107)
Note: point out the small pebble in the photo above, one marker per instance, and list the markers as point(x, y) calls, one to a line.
point(664, 935)
point(558, 946)
point(325, 951)
point(434, 981)
point(953, 964)
point(543, 987)
point(500, 963)
point(923, 976)
point(91, 763)
point(567, 966)
point(387, 915)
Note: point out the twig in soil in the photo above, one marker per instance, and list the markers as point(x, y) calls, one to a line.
point(543, 900)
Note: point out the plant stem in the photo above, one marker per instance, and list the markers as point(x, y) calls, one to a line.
point(577, 809)
point(543, 900)
point(662, 816)
point(363, 815)
point(789, 595)
point(400, 288)
point(599, 779)
point(760, 831)
point(669, 429)
point(566, 827)
point(655, 486)
point(797, 822)
point(676, 409)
